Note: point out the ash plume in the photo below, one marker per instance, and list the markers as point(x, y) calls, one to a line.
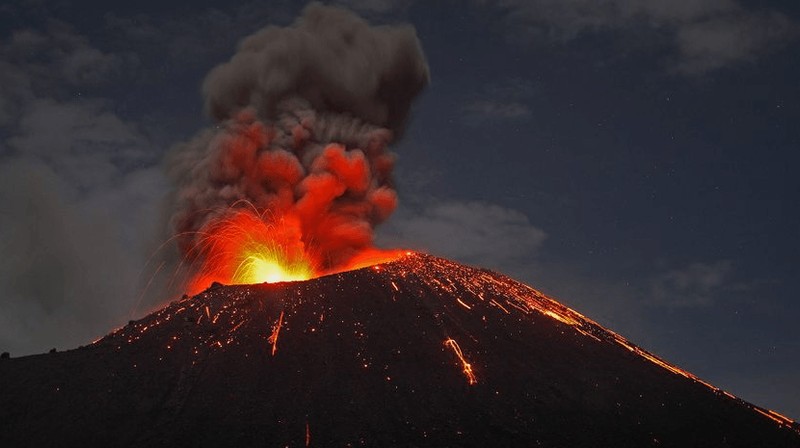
point(304, 117)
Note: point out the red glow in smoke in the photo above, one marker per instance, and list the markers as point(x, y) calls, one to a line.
point(271, 209)
point(296, 172)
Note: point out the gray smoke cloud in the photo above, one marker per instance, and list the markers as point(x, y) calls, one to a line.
point(329, 57)
point(304, 116)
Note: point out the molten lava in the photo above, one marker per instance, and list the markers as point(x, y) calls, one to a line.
point(243, 248)
point(247, 247)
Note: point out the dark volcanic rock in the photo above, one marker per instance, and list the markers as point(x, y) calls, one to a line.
point(363, 358)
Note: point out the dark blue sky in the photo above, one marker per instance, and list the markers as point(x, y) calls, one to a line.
point(635, 160)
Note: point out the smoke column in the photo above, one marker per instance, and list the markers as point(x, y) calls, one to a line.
point(304, 116)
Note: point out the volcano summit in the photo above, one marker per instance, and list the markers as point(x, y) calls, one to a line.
point(420, 351)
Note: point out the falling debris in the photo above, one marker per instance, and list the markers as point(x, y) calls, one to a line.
point(276, 330)
point(467, 366)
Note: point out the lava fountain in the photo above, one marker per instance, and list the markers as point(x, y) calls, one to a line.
point(243, 247)
point(246, 247)
point(296, 172)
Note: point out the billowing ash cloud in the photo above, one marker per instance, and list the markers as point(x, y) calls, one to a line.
point(330, 58)
point(304, 114)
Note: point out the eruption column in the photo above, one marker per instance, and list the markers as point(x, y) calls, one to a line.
point(296, 173)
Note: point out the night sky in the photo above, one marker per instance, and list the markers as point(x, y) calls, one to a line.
point(635, 159)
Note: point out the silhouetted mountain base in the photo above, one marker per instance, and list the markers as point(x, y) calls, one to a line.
point(417, 352)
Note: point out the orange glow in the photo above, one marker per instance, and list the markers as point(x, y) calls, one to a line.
point(247, 247)
point(276, 331)
point(371, 257)
point(461, 302)
point(467, 366)
point(774, 416)
point(243, 248)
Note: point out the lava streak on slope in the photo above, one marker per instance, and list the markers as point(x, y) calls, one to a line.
point(467, 366)
point(420, 351)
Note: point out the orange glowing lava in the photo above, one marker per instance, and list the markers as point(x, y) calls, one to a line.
point(246, 247)
point(471, 379)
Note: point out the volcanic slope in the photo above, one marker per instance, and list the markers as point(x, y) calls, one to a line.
point(417, 352)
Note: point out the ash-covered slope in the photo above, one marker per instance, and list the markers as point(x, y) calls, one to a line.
point(417, 352)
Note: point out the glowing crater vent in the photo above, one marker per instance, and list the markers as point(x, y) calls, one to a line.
point(262, 267)
point(246, 247)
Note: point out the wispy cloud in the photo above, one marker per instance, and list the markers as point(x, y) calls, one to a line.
point(702, 35)
point(193, 39)
point(728, 39)
point(375, 7)
point(37, 63)
point(697, 284)
point(497, 109)
point(473, 232)
point(504, 101)
point(80, 189)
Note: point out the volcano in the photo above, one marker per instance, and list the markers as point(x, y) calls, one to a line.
point(420, 351)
